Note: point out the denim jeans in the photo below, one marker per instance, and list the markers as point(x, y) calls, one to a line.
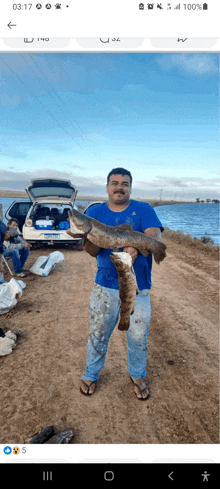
point(18, 257)
point(2, 280)
point(104, 310)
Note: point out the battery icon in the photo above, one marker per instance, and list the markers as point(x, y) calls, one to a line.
point(205, 6)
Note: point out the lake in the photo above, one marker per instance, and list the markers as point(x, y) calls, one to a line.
point(194, 219)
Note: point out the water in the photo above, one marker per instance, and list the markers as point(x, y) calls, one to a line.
point(194, 219)
point(6, 202)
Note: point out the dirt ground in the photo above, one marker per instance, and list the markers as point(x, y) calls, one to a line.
point(40, 379)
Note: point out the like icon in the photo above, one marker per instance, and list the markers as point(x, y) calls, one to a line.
point(7, 450)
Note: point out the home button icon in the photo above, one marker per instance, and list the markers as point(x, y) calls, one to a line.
point(109, 475)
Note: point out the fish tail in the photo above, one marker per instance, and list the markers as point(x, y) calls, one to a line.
point(123, 324)
point(159, 253)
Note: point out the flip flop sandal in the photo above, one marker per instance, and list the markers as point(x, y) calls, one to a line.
point(145, 388)
point(87, 387)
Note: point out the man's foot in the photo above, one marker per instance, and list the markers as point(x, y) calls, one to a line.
point(87, 387)
point(20, 275)
point(140, 388)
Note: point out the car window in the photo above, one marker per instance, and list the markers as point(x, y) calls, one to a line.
point(49, 191)
point(20, 209)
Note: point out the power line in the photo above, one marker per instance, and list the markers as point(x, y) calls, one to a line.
point(33, 95)
point(51, 86)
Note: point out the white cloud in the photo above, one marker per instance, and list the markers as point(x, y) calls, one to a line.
point(197, 64)
point(171, 187)
point(183, 187)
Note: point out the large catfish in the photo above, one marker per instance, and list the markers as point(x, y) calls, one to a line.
point(114, 237)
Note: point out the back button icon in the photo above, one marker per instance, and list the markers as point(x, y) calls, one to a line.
point(170, 476)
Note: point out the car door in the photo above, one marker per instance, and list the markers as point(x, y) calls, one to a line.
point(18, 210)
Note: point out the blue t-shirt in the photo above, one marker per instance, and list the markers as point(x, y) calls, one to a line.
point(140, 216)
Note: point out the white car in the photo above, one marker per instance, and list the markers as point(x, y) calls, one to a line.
point(44, 219)
point(91, 204)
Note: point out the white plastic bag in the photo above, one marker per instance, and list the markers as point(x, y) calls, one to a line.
point(10, 293)
point(44, 264)
point(7, 343)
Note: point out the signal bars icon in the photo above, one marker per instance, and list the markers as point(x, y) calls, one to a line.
point(177, 7)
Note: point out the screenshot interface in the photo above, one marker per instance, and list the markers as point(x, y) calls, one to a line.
point(109, 240)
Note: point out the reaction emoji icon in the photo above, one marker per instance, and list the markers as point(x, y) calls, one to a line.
point(16, 450)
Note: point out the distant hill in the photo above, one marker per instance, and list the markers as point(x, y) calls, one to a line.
point(13, 194)
point(18, 194)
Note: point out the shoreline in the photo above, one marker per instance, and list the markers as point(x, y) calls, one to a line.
point(153, 202)
point(176, 235)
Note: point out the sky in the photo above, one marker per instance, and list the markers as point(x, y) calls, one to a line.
point(79, 115)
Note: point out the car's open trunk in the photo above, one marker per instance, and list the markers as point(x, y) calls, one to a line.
point(50, 216)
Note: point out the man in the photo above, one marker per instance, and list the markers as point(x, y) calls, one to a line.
point(105, 302)
point(16, 248)
point(2, 234)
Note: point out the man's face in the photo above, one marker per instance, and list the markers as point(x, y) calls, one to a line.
point(119, 189)
point(7, 235)
point(13, 225)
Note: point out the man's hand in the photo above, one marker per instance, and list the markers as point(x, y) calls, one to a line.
point(154, 233)
point(27, 245)
point(69, 232)
point(132, 251)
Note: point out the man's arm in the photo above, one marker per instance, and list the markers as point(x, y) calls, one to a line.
point(154, 232)
point(25, 244)
point(19, 240)
point(89, 247)
point(15, 246)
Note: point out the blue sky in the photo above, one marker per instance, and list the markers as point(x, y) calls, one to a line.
point(78, 115)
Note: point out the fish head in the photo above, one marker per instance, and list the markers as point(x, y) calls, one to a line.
point(80, 224)
point(121, 260)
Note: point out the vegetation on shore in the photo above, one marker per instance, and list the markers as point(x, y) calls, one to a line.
point(152, 202)
point(204, 243)
point(20, 194)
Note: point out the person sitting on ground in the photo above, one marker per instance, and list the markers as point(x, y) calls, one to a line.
point(2, 234)
point(16, 248)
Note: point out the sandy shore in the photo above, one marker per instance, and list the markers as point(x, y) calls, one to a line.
point(40, 379)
